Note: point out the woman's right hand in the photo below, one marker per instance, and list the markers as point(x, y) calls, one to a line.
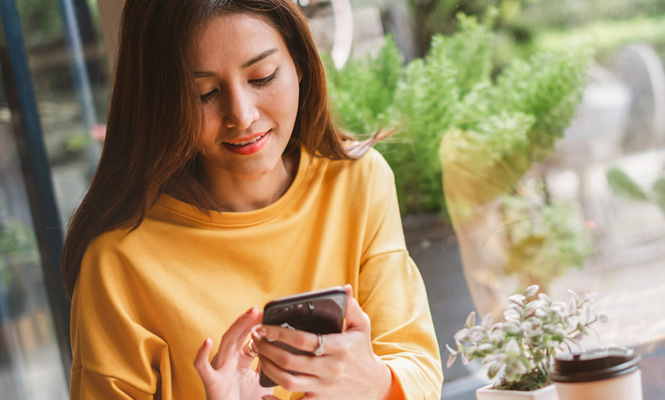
point(230, 376)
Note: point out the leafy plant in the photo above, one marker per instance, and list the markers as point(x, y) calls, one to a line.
point(17, 241)
point(523, 346)
point(17, 246)
point(621, 184)
point(513, 119)
point(15, 236)
point(544, 239)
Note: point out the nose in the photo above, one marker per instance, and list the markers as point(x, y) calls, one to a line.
point(239, 110)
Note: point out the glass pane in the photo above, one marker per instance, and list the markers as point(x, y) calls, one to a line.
point(71, 109)
point(573, 199)
point(30, 363)
point(589, 213)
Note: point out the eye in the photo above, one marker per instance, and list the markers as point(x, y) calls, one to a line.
point(206, 97)
point(264, 81)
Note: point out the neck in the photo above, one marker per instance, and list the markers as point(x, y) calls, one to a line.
point(240, 194)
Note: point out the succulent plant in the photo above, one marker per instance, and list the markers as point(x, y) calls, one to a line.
point(523, 345)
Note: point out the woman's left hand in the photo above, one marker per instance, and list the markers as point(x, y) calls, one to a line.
point(348, 368)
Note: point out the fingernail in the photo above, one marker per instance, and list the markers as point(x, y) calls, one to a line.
point(259, 333)
point(251, 310)
point(207, 341)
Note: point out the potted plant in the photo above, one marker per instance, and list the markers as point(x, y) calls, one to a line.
point(521, 348)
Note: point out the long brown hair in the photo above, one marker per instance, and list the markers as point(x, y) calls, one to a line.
point(155, 114)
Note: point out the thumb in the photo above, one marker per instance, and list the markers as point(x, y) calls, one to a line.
point(356, 319)
point(201, 362)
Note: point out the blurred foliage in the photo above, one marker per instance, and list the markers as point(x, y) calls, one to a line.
point(557, 14)
point(15, 236)
point(17, 245)
point(528, 26)
point(19, 258)
point(78, 141)
point(497, 127)
point(439, 16)
point(607, 35)
point(623, 185)
point(544, 239)
point(41, 21)
point(43, 24)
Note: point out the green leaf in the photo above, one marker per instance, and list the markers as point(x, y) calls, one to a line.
point(658, 189)
point(493, 370)
point(451, 359)
point(470, 319)
point(621, 184)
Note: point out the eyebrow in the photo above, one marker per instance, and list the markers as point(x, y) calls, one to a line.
point(263, 55)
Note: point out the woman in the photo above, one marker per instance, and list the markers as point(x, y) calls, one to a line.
point(222, 185)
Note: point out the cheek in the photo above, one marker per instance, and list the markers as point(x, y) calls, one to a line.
point(209, 127)
point(284, 100)
point(210, 119)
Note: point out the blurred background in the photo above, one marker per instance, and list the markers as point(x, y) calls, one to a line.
point(555, 109)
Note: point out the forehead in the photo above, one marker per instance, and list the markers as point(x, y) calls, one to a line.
point(237, 36)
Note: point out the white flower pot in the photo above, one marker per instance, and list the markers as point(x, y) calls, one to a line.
point(487, 393)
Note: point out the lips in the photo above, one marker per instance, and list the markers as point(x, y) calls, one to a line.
point(252, 139)
point(248, 145)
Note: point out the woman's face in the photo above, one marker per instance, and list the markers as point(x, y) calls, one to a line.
point(249, 89)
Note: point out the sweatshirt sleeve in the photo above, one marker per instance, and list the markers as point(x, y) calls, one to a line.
point(391, 291)
point(114, 355)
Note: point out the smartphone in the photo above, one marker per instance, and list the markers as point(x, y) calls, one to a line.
point(319, 311)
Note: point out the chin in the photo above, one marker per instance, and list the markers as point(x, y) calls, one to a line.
point(254, 172)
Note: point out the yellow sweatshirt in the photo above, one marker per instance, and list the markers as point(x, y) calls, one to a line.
point(145, 301)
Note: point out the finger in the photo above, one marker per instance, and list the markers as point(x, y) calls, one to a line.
point(300, 340)
point(250, 349)
point(283, 357)
point(269, 397)
point(234, 338)
point(349, 291)
point(201, 362)
point(249, 353)
point(356, 319)
point(298, 382)
point(247, 357)
point(241, 327)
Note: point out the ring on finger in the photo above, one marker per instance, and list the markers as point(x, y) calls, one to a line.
point(249, 349)
point(319, 349)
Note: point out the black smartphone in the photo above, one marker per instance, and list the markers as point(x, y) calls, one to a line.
point(319, 311)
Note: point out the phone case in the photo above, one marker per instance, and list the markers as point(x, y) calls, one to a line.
point(320, 311)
